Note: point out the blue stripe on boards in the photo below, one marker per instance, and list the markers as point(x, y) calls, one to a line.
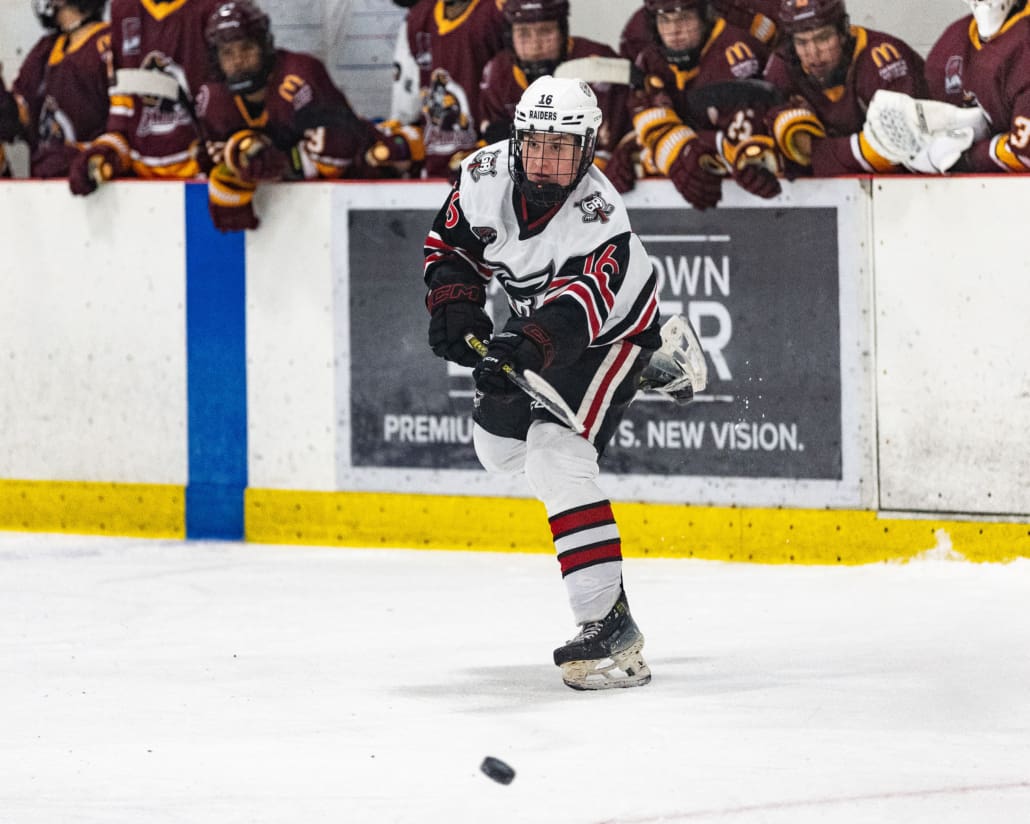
point(216, 369)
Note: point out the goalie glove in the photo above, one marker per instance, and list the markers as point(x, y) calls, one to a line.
point(922, 135)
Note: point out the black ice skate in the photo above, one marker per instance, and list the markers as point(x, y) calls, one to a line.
point(606, 653)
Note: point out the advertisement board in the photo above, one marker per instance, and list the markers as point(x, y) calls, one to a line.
point(761, 285)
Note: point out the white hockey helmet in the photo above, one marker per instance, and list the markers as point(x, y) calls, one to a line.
point(990, 15)
point(554, 105)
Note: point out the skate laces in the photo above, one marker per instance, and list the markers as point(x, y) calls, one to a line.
point(589, 631)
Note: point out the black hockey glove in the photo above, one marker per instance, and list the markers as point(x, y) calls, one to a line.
point(457, 309)
point(522, 344)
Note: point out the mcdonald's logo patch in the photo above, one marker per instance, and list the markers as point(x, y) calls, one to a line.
point(885, 53)
point(739, 52)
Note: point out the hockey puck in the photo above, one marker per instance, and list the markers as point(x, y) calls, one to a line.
point(497, 770)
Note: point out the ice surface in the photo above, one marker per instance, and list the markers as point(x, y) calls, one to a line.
point(213, 683)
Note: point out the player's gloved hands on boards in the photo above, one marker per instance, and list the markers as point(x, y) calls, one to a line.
point(758, 180)
point(91, 167)
point(457, 309)
point(522, 344)
point(693, 174)
point(233, 218)
point(252, 156)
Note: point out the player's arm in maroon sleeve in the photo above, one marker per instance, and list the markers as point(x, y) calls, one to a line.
point(1007, 151)
point(795, 124)
point(20, 107)
point(333, 140)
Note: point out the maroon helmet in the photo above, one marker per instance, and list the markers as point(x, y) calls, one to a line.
point(236, 20)
point(536, 11)
point(655, 6)
point(805, 15)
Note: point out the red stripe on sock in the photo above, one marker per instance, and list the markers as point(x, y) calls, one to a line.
point(576, 558)
point(587, 516)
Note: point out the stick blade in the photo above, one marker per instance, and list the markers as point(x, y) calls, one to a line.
point(548, 397)
point(597, 70)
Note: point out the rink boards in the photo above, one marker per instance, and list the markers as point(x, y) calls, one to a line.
point(869, 398)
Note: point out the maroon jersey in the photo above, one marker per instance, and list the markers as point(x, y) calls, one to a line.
point(451, 56)
point(303, 109)
point(504, 82)
point(964, 70)
point(61, 98)
point(879, 61)
point(158, 138)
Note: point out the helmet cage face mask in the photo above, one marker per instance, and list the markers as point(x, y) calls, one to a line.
point(552, 107)
point(241, 20)
point(990, 15)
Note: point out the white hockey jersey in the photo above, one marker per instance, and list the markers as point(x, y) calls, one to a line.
point(584, 251)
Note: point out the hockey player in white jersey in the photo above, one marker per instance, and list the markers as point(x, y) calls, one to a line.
point(535, 214)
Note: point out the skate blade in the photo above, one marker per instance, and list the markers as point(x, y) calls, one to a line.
point(624, 669)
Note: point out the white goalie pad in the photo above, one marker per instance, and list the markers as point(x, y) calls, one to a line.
point(146, 83)
point(923, 135)
point(678, 369)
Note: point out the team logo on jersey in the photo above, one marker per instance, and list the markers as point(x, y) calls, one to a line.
point(595, 208)
point(484, 163)
point(487, 234)
point(953, 75)
point(132, 35)
point(889, 62)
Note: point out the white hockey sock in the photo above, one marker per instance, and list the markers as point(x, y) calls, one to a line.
point(590, 553)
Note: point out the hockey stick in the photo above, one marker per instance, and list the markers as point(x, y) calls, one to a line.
point(597, 69)
point(536, 387)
